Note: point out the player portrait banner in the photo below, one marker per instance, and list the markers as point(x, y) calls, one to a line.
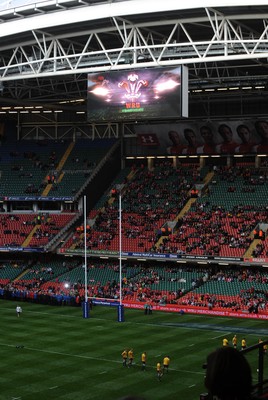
point(185, 138)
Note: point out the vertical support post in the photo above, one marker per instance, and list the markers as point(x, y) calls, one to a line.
point(85, 304)
point(120, 307)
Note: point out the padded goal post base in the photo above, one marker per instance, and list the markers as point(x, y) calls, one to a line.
point(120, 313)
point(85, 309)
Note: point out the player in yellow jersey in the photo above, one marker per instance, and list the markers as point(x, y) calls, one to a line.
point(159, 371)
point(225, 342)
point(124, 356)
point(234, 341)
point(143, 360)
point(130, 357)
point(243, 344)
point(166, 362)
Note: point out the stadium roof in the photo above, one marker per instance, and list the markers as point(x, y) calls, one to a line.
point(48, 47)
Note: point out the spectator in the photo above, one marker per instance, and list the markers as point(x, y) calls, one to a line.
point(228, 375)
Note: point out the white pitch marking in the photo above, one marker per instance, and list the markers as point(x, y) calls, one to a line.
point(104, 372)
point(217, 337)
point(53, 387)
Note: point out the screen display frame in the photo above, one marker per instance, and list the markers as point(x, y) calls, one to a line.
point(137, 95)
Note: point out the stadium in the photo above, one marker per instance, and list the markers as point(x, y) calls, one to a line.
point(133, 194)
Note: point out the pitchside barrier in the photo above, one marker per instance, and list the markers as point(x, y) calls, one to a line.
point(199, 310)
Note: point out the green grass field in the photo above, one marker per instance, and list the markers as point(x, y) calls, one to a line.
point(68, 357)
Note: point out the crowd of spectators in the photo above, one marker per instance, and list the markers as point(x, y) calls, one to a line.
point(41, 227)
point(149, 199)
point(250, 300)
point(184, 287)
point(206, 232)
point(154, 197)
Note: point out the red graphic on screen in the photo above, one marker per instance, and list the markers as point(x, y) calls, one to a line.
point(132, 87)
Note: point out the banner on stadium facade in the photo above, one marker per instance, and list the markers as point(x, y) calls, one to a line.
point(36, 198)
point(151, 255)
point(261, 260)
point(21, 249)
point(186, 138)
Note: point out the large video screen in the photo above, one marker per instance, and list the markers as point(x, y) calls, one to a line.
point(136, 95)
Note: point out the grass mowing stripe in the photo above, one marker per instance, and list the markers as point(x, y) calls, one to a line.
point(196, 326)
point(161, 325)
point(90, 358)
